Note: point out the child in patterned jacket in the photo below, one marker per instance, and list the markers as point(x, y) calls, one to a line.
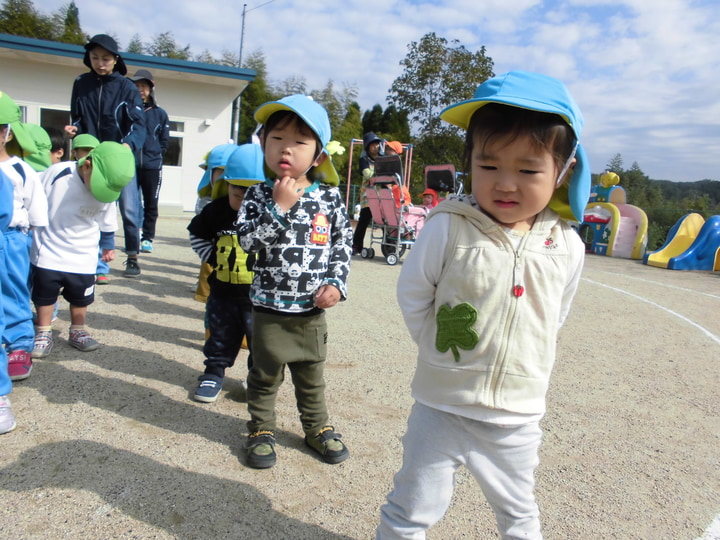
point(296, 224)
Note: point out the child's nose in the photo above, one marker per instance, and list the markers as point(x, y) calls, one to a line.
point(506, 182)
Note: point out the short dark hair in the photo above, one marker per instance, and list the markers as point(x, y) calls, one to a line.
point(284, 118)
point(496, 121)
point(57, 138)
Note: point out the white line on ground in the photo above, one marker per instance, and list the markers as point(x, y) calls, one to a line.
point(707, 332)
point(713, 531)
point(659, 283)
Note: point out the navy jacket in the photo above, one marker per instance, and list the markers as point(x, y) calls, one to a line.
point(108, 107)
point(157, 138)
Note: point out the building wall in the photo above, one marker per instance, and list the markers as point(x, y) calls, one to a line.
point(204, 109)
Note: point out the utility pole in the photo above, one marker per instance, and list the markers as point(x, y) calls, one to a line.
point(237, 117)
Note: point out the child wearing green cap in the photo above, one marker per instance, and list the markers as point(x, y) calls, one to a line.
point(483, 293)
point(30, 210)
point(213, 236)
point(81, 199)
point(296, 224)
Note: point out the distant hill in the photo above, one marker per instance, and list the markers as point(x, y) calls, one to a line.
point(681, 190)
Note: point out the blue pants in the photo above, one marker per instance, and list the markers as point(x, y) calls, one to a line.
point(229, 319)
point(5, 382)
point(131, 212)
point(19, 333)
point(102, 266)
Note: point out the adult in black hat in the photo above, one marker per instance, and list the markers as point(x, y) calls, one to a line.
point(371, 150)
point(149, 160)
point(106, 104)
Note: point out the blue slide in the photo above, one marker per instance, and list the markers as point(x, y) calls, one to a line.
point(702, 254)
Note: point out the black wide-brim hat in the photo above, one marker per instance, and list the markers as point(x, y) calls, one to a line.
point(110, 45)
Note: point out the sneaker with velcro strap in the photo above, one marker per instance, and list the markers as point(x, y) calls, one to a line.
point(327, 443)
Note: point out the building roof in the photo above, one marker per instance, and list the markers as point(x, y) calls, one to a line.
point(56, 53)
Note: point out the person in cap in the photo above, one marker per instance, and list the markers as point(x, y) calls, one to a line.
point(209, 189)
point(81, 203)
point(107, 105)
point(149, 160)
point(483, 293)
point(213, 236)
point(7, 418)
point(429, 198)
point(30, 212)
point(366, 164)
point(296, 224)
point(82, 145)
point(41, 159)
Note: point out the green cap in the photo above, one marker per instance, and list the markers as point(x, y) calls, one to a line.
point(84, 140)
point(39, 160)
point(113, 167)
point(10, 114)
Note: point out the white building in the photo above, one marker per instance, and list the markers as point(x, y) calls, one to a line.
point(198, 98)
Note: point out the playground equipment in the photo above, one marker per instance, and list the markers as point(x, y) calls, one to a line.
point(691, 244)
point(610, 225)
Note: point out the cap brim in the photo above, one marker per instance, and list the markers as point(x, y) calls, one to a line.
point(241, 182)
point(461, 113)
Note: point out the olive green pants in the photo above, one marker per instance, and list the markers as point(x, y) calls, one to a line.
point(301, 344)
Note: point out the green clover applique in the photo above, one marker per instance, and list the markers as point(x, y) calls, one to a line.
point(455, 329)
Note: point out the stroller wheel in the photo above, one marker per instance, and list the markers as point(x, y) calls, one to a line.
point(371, 253)
point(364, 253)
point(392, 259)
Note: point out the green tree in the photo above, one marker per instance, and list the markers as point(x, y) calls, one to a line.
point(256, 93)
point(164, 45)
point(20, 18)
point(615, 164)
point(372, 119)
point(68, 18)
point(437, 74)
point(136, 45)
point(395, 125)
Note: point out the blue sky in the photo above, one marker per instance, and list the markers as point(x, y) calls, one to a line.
point(646, 74)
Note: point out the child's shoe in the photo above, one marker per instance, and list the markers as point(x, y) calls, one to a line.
point(132, 268)
point(261, 450)
point(208, 388)
point(7, 419)
point(102, 279)
point(43, 344)
point(81, 340)
point(327, 444)
point(146, 246)
point(19, 365)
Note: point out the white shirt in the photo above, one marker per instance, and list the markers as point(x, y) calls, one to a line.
point(29, 203)
point(71, 240)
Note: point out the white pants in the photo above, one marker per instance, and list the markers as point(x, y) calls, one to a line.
point(502, 460)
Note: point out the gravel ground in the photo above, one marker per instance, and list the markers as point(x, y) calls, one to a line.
point(110, 445)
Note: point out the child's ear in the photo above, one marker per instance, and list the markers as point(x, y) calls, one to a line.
point(567, 175)
point(320, 159)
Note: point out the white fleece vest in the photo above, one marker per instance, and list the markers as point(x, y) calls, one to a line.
point(492, 339)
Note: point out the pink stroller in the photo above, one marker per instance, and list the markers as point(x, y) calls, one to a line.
point(395, 222)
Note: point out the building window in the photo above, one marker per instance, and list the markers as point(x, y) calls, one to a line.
point(173, 156)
